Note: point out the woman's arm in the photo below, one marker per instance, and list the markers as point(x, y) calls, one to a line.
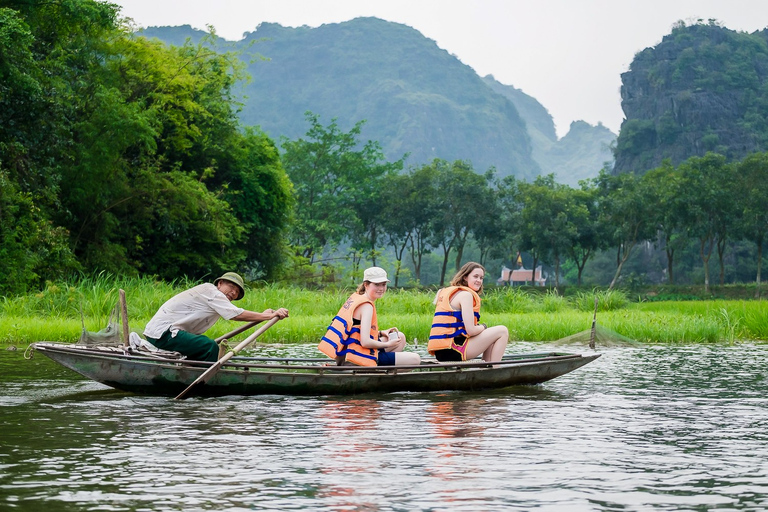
point(366, 317)
point(468, 314)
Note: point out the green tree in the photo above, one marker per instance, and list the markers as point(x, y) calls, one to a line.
point(31, 248)
point(668, 200)
point(461, 194)
point(625, 214)
point(549, 220)
point(511, 205)
point(420, 205)
point(752, 182)
point(369, 198)
point(133, 147)
point(253, 182)
point(708, 183)
point(331, 174)
point(586, 234)
point(490, 231)
point(407, 202)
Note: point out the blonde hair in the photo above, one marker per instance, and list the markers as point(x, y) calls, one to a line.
point(460, 279)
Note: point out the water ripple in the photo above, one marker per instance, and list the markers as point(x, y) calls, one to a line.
point(641, 428)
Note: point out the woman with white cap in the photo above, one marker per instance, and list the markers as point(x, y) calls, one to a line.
point(354, 335)
point(179, 324)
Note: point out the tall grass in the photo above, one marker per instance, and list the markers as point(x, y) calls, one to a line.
point(509, 299)
point(607, 300)
point(55, 313)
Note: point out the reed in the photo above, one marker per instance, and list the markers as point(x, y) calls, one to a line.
point(509, 299)
point(552, 302)
point(54, 314)
point(607, 300)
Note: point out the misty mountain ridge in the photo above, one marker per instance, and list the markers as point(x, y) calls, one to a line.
point(415, 97)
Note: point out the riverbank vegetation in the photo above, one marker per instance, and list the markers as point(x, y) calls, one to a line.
point(122, 154)
point(54, 314)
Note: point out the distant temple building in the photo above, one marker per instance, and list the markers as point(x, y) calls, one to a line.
point(521, 276)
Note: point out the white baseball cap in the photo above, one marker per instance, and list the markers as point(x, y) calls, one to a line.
point(375, 275)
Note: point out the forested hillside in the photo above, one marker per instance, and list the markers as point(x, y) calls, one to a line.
point(579, 155)
point(415, 97)
point(120, 154)
point(703, 88)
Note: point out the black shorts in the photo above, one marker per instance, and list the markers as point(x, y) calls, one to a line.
point(450, 355)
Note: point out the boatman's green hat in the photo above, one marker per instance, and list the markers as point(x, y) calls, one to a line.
point(234, 279)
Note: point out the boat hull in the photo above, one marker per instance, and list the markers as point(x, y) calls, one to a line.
point(155, 376)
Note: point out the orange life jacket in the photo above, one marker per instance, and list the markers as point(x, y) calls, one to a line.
point(342, 339)
point(447, 323)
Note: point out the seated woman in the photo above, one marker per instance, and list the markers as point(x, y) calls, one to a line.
point(456, 334)
point(354, 335)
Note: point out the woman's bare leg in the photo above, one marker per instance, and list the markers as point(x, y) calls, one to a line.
point(407, 358)
point(404, 358)
point(492, 343)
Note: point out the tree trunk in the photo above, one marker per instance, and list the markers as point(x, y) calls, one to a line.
point(759, 266)
point(374, 237)
point(357, 257)
point(670, 259)
point(446, 253)
point(399, 259)
point(616, 275)
point(622, 255)
point(720, 252)
point(705, 261)
point(459, 255)
point(483, 254)
point(416, 258)
point(581, 262)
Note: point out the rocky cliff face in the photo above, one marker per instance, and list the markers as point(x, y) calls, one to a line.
point(703, 88)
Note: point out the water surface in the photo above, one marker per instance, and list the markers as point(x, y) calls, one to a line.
point(641, 428)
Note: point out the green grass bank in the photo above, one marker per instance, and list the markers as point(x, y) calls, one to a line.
point(55, 313)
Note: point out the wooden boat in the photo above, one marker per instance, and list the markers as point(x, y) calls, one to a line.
point(150, 373)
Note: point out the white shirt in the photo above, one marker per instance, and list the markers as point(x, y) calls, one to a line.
point(194, 310)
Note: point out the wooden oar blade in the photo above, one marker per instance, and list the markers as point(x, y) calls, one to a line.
point(206, 376)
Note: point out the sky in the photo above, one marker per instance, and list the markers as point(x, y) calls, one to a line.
point(567, 54)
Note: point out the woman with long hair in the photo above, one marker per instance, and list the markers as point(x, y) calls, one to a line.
point(457, 334)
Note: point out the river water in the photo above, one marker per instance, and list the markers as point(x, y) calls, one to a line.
point(641, 428)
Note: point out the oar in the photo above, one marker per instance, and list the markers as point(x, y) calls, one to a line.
point(237, 331)
point(594, 328)
point(124, 313)
point(210, 372)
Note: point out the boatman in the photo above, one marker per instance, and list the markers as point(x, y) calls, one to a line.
point(179, 324)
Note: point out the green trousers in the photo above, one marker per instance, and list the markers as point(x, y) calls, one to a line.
point(195, 346)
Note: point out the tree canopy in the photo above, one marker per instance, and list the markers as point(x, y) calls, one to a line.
point(127, 155)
